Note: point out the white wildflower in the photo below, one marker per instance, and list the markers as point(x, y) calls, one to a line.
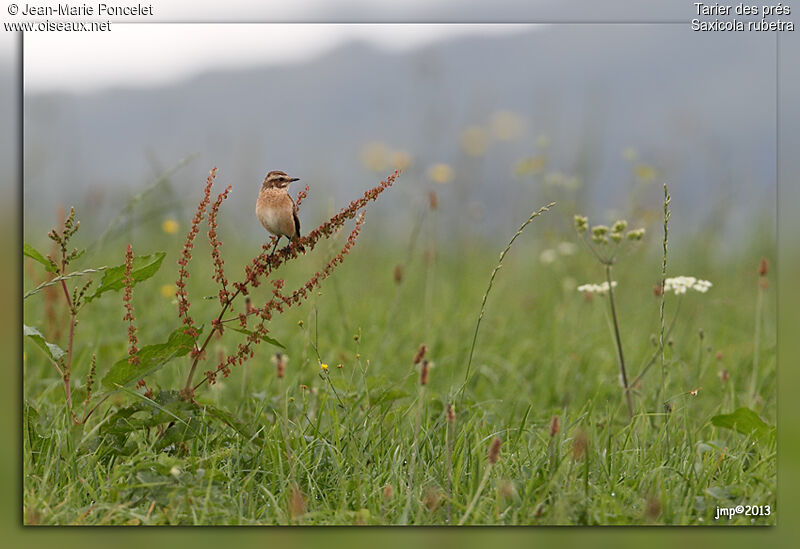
point(548, 256)
point(601, 289)
point(680, 284)
point(566, 248)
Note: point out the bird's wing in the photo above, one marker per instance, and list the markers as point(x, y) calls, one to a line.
point(296, 219)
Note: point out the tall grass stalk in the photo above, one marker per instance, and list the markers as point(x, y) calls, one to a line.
point(412, 465)
point(667, 199)
point(533, 216)
point(756, 340)
point(492, 457)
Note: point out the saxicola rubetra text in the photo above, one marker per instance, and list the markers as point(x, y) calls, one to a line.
point(275, 208)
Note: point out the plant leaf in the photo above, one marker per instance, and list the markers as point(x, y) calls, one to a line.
point(166, 407)
point(144, 266)
point(265, 338)
point(52, 350)
point(390, 395)
point(33, 253)
point(226, 417)
point(745, 421)
point(151, 358)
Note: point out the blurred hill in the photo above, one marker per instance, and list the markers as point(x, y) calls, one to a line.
point(698, 107)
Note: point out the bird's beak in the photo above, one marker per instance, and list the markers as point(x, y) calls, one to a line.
point(294, 179)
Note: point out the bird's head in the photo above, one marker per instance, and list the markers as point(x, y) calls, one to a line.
point(278, 180)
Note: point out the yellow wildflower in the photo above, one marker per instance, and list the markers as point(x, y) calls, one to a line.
point(531, 165)
point(324, 367)
point(167, 291)
point(645, 173)
point(401, 160)
point(506, 126)
point(473, 141)
point(169, 226)
point(374, 156)
point(441, 173)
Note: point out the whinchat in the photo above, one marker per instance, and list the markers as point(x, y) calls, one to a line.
point(276, 209)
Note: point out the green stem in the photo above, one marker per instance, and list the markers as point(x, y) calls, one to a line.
point(618, 338)
point(756, 340)
point(533, 215)
point(472, 503)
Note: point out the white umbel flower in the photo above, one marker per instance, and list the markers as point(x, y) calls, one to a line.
point(680, 284)
point(601, 289)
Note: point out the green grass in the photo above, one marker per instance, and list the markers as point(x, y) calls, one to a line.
point(542, 350)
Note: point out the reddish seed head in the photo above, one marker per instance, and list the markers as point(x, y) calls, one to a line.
point(433, 200)
point(652, 508)
point(555, 426)
point(127, 298)
point(451, 413)
point(398, 273)
point(297, 502)
point(432, 498)
point(763, 267)
point(265, 263)
point(579, 445)
point(423, 372)
point(494, 451)
point(420, 353)
point(657, 290)
point(725, 375)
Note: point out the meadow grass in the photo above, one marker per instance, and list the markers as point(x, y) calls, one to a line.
point(365, 443)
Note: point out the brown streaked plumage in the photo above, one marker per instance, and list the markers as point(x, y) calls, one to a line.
point(275, 208)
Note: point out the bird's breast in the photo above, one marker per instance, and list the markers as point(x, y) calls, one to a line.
point(274, 211)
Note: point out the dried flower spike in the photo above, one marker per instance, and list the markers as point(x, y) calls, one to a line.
point(127, 298)
point(555, 426)
point(451, 413)
point(579, 445)
point(494, 451)
point(420, 353)
point(423, 372)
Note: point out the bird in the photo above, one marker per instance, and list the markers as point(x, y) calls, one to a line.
point(276, 209)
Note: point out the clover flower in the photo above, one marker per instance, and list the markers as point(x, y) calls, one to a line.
point(680, 284)
point(601, 289)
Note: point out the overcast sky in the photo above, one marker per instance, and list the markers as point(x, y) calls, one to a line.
point(134, 53)
point(151, 54)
